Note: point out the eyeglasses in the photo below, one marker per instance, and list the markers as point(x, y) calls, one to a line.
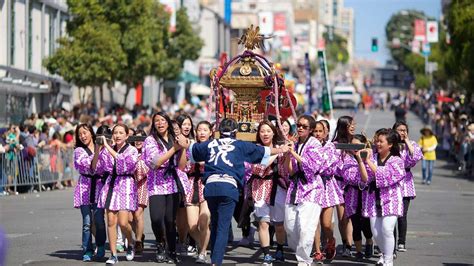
point(302, 126)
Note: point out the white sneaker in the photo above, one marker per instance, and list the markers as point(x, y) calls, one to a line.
point(130, 253)
point(112, 260)
point(304, 264)
point(380, 261)
point(201, 259)
point(190, 250)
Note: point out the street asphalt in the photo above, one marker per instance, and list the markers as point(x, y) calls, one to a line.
point(44, 228)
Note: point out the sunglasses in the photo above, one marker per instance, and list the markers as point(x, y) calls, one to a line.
point(302, 126)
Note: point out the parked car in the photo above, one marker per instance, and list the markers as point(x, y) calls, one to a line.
point(345, 97)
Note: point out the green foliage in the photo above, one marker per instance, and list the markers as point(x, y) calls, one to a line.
point(336, 50)
point(401, 26)
point(460, 21)
point(184, 43)
point(414, 62)
point(91, 58)
point(422, 80)
point(123, 40)
point(455, 59)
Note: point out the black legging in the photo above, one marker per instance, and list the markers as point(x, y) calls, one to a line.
point(360, 224)
point(237, 210)
point(402, 222)
point(163, 209)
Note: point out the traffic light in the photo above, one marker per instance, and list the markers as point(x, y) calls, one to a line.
point(375, 45)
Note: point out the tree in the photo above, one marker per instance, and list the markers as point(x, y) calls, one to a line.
point(336, 50)
point(150, 47)
point(143, 26)
point(92, 56)
point(460, 52)
point(123, 40)
point(401, 26)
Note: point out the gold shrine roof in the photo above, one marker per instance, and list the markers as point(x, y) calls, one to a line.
point(246, 73)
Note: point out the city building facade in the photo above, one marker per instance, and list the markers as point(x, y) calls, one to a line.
point(28, 33)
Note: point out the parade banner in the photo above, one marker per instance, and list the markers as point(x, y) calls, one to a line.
point(432, 34)
point(419, 31)
point(326, 102)
point(309, 88)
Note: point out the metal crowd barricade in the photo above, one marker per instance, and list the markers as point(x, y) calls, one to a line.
point(46, 168)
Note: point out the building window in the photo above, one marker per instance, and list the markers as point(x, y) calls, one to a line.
point(12, 33)
point(52, 28)
point(62, 25)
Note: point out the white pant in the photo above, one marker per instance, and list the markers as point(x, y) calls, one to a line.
point(301, 222)
point(266, 213)
point(382, 230)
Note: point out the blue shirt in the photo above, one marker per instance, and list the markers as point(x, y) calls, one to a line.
point(227, 156)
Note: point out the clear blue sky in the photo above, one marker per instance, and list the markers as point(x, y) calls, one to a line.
point(371, 16)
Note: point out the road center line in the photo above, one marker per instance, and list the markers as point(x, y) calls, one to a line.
point(367, 122)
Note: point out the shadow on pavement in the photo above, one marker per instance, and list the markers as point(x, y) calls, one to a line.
point(457, 264)
point(448, 169)
point(68, 254)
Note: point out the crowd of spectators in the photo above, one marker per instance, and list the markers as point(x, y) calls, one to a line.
point(51, 133)
point(450, 115)
point(49, 136)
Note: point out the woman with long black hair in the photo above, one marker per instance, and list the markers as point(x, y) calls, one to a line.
point(344, 133)
point(384, 203)
point(166, 184)
point(185, 247)
point(302, 211)
point(86, 193)
point(355, 176)
point(119, 193)
point(332, 196)
point(141, 173)
point(268, 188)
point(197, 211)
point(411, 154)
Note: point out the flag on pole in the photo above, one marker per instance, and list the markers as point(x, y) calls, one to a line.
point(326, 101)
point(308, 82)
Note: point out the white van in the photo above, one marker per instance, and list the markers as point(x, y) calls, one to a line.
point(345, 97)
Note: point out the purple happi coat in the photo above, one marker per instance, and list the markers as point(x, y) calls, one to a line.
point(410, 160)
point(387, 179)
point(84, 186)
point(332, 193)
point(158, 182)
point(124, 193)
point(338, 165)
point(355, 190)
point(313, 163)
